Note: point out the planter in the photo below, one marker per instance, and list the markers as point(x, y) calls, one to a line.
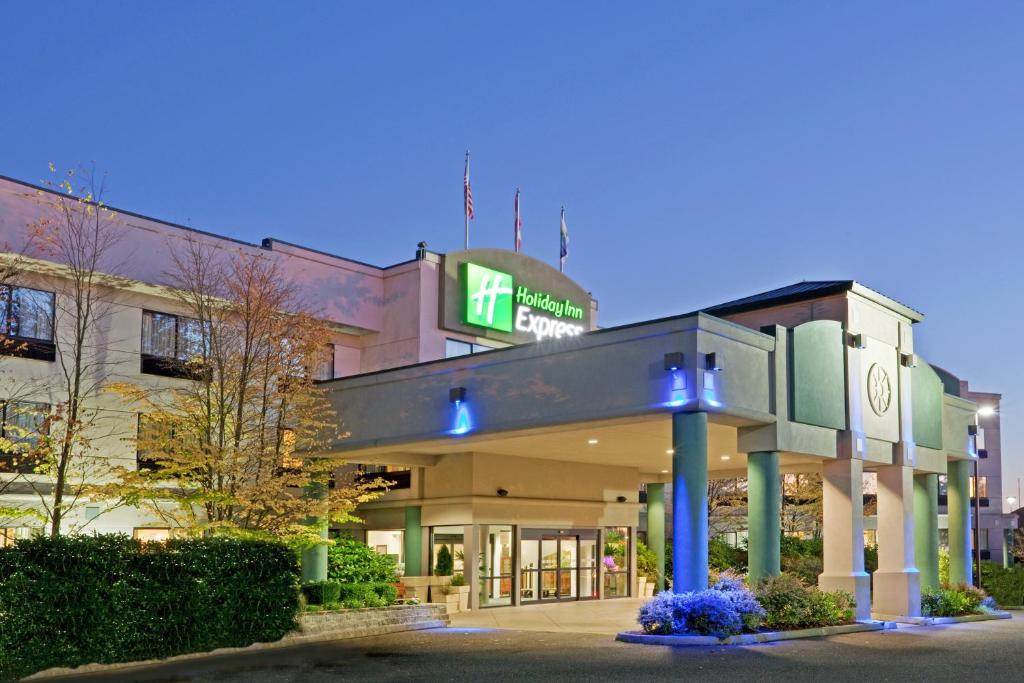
point(641, 585)
point(417, 587)
point(649, 589)
point(450, 600)
point(753, 638)
point(438, 586)
point(463, 593)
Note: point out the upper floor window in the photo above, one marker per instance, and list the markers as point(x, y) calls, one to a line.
point(455, 347)
point(323, 367)
point(21, 425)
point(168, 341)
point(26, 313)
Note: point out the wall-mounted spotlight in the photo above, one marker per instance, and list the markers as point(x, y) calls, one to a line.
point(972, 430)
point(457, 395)
point(502, 492)
point(673, 361)
point(982, 453)
point(857, 341)
point(621, 499)
point(711, 362)
point(908, 360)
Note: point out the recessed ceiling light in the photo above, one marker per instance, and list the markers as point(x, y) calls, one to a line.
point(666, 472)
point(726, 457)
point(592, 441)
point(670, 451)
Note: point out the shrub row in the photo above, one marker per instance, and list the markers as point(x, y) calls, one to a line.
point(792, 604)
point(70, 601)
point(953, 601)
point(333, 594)
point(1006, 586)
point(350, 561)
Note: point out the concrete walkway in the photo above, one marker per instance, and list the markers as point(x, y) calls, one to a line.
point(590, 616)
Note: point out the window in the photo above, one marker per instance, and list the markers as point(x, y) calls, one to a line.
point(401, 477)
point(982, 487)
point(390, 543)
point(496, 565)
point(21, 425)
point(26, 315)
point(454, 348)
point(168, 342)
point(450, 537)
point(324, 367)
point(151, 433)
point(616, 562)
point(152, 534)
point(9, 535)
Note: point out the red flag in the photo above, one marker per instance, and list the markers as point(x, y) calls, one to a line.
point(519, 225)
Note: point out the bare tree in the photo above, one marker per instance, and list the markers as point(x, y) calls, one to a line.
point(225, 449)
point(79, 234)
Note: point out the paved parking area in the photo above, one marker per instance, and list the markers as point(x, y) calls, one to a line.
point(589, 616)
point(989, 650)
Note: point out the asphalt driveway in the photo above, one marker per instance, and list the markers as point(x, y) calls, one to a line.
point(992, 650)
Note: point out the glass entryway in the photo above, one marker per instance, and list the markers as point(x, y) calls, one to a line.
point(558, 565)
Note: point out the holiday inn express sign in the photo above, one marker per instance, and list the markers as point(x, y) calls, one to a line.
point(494, 300)
point(510, 297)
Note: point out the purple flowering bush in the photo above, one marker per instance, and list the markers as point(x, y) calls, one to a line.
point(725, 609)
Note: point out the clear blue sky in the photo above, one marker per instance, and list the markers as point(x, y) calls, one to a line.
point(702, 153)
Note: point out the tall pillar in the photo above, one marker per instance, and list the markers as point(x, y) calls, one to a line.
point(313, 560)
point(689, 502)
point(958, 505)
point(472, 547)
point(897, 582)
point(656, 529)
point(926, 528)
point(764, 508)
point(1007, 536)
point(412, 541)
point(843, 517)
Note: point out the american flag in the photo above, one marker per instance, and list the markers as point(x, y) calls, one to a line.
point(468, 191)
point(563, 246)
point(519, 225)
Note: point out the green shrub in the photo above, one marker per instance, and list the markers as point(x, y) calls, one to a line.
point(77, 600)
point(351, 561)
point(1005, 585)
point(951, 601)
point(321, 592)
point(646, 562)
point(791, 604)
point(368, 594)
point(721, 555)
point(457, 580)
point(445, 566)
point(805, 567)
point(943, 566)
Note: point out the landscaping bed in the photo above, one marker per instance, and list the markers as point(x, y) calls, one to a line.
point(751, 638)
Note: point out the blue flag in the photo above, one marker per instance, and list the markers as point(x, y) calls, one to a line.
point(563, 250)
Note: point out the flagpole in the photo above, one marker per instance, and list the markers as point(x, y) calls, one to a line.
point(465, 210)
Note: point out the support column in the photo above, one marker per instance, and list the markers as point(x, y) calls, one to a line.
point(843, 516)
point(689, 502)
point(1007, 536)
point(958, 505)
point(313, 560)
point(926, 528)
point(897, 582)
point(413, 541)
point(764, 508)
point(471, 550)
point(656, 529)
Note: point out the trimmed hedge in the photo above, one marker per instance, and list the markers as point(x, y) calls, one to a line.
point(1006, 586)
point(352, 561)
point(321, 592)
point(109, 598)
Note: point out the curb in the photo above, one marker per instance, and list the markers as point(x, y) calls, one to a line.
point(290, 640)
point(753, 638)
point(938, 621)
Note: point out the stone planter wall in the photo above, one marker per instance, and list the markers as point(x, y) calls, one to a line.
point(354, 623)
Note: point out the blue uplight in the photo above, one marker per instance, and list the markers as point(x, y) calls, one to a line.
point(677, 388)
point(463, 419)
point(711, 390)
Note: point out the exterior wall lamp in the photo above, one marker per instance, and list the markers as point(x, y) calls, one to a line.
point(857, 341)
point(673, 361)
point(502, 492)
point(457, 395)
point(711, 362)
point(908, 360)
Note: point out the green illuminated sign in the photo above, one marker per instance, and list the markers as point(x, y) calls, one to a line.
point(488, 297)
point(492, 300)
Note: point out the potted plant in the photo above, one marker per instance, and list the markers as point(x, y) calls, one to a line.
point(459, 587)
point(443, 569)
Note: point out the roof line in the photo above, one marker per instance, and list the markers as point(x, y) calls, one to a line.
point(199, 231)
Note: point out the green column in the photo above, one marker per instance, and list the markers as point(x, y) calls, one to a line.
point(1007, 548)
point(314, 557)
point(413, 541)
point(656, 528)
point(689, 502)
point(926, 528)
point(958, 496)
point(764, 508)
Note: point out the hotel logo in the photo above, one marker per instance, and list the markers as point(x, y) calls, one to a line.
point(489, 297)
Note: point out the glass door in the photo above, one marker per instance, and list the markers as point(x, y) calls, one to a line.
point(558, 565)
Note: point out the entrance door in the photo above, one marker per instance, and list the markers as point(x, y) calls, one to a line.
point(558, 565)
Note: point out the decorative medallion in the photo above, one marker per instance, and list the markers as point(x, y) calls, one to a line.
point(879, 389)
